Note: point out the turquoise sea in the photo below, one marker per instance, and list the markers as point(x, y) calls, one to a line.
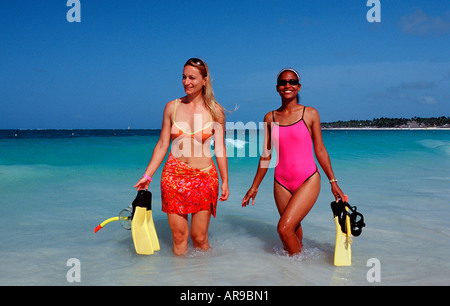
point(56, 186)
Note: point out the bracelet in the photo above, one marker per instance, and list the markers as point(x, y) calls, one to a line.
point(148, 177)
point(333, 180)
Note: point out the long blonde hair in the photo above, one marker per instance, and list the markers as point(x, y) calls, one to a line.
point(215, 109)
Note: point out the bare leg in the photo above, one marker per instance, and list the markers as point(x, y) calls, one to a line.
point(199, 229)
point(282, 197)
point(293, 208)
point(180, 232)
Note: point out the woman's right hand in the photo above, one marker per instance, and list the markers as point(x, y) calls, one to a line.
point(142, 184)
point(251, 194)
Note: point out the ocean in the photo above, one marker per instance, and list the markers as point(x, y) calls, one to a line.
point(56, 186)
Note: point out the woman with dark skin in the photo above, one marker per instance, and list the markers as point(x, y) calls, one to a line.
point(293, 203)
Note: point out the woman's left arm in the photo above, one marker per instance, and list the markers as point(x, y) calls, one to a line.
point(321, 152)
point(220, 152)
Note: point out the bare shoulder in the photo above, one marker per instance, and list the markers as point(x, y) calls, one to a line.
point(169, 109)
point(170, 106)
point(268, 117)
point(311, 114)
point(171, 103)
point(311, 111)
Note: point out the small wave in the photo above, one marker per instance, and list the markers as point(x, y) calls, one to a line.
point(196, 253)
point(437, 178)
point(305, 254)
point(438, 145)
point(235, 143)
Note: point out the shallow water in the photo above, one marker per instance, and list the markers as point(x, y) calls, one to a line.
point(56, 190)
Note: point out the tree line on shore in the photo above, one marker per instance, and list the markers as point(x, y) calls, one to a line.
point(415, 122)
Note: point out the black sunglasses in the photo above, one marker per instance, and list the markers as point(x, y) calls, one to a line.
point(196, 61)
point(285, 82)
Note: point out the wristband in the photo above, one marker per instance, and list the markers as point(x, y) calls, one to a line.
point(148, 177)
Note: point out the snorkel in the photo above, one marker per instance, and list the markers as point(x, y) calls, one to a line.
point(124, 218)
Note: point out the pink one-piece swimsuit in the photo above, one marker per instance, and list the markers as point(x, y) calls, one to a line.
point(295, 158)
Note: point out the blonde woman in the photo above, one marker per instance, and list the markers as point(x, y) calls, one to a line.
point(189, 181)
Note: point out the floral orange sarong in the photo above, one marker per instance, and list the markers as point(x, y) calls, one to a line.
point(185, 190)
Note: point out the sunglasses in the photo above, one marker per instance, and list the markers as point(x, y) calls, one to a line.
point(285, 82)
point(196, 61)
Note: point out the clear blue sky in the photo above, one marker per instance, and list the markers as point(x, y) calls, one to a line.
point(123, 62)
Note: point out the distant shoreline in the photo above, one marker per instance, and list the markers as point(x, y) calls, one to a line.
point(237, 129)
point(376, 124)
point(230, 133)
point(415, 123)
point(386, 129)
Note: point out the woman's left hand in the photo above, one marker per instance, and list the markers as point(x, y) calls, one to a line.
point(225, 192)
point(337, 192)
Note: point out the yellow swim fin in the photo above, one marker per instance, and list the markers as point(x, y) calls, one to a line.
point(140, 224)
point(140, 232)
point(152, 230)
point(342, 250)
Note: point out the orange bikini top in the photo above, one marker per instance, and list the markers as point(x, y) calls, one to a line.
point(199, 135)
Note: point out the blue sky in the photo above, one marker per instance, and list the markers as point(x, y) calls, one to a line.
point(122, 63)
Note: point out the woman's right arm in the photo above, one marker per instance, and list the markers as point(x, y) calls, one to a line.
point(160, 150)
point(263, 164)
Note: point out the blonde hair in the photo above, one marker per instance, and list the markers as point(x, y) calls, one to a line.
point(215, 109)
